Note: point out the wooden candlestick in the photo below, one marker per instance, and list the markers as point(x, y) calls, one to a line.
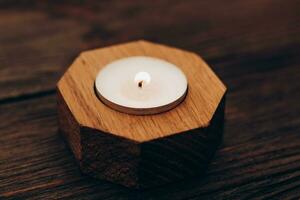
point(141, 151)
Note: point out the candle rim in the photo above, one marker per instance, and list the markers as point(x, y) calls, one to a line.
point(138, 106)
point(141, 110)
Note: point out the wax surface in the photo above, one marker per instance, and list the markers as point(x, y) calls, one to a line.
point(118, 81)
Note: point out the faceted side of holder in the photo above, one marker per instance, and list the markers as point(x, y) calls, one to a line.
point(142, 165)
point(68, 126)
point(111, 158)
point(99, 154)
point(183, 155)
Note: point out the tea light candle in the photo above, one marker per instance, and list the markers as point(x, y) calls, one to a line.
point(141, 85)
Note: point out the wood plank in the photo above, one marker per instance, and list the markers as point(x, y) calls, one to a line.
point(259, 158)
point(252, 45)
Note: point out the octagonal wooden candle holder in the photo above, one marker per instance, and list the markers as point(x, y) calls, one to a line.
point(141, 151)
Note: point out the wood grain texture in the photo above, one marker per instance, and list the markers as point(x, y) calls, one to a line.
point(145, 164)
point(181, 156)
point(252, 45)
point(141, 151)
point(77, 89)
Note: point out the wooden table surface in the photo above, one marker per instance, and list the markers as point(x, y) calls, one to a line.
point(253, 46)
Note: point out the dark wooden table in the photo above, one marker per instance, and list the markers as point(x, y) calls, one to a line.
point(253, 45)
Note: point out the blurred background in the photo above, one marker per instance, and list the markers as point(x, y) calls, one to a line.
point(252, 45)
point(39, 39)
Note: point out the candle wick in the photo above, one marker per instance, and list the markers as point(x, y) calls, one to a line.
point(140, 84)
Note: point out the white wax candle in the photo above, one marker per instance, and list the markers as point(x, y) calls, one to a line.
point(141, 85)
